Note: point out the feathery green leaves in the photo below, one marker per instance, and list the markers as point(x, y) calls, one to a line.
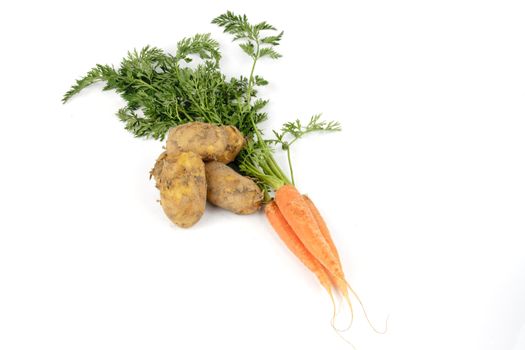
point(161, 92)
point(292, 131)
point(254, 44)
point(200, 44)
point(99, 73)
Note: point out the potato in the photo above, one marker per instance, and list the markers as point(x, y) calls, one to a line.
point(229, 190)
point(157, 169)
point(182, 184)
point(210, 142)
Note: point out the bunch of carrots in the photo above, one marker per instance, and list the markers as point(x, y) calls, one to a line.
point(301, 227)
point(168, 91)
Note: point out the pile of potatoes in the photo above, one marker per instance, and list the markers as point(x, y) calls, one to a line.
point(193, 169)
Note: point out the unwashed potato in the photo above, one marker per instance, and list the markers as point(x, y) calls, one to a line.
point(210, 142)
point(229, 190)
point(182, 184)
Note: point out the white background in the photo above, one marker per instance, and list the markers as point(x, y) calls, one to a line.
point(424, 190)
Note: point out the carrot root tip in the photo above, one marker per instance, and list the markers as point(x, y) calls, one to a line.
point(366, 314)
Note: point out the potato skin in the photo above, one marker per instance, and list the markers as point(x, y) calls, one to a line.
point(210, 142)
point(229, 190)
point(157, 169)
point(182, 184)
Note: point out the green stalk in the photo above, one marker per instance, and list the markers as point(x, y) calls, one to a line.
point(250, 80)
point(271, 180)
point(290, 164)
point(275, 169)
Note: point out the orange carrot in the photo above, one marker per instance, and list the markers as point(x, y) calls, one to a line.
point(322, 226)
point(288, 236)
point(300, 218)
point(311, 232)
point(339, 281)
point(293, 243)
point(342, 285)
point(298, 215)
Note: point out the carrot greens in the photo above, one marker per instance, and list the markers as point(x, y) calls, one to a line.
point(163, 90)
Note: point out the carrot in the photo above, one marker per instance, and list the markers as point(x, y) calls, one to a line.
point(305, 220)
point(322, 226)
point(288, 236)
point(290, 239)
point(340, 283)
point(300, 218)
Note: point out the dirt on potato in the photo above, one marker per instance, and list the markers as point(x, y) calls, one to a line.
point(210, 142)
point(182, 184)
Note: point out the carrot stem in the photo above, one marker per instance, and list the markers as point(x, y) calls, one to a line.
point(290, 164)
